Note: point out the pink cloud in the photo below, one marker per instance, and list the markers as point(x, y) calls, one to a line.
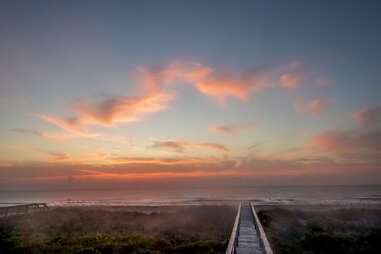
point(5, 165)
point(60, 157)
point(122, 109)
point(232, 129)
point(111, 112)
point(154, 97)
point(316, 107)
point(291, 80)
point(369, 115)
point(43, 134)
point(179, 146)
point(319, 107)
point(324, 81)
point(72, 125)
point(347, 141)
point(221, 84)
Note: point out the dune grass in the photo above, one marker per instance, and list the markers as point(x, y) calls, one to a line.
point(310, 231)
point(94, 230)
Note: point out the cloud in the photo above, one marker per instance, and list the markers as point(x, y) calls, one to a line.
point(180, 146)
point(232, 129)
point(154, 96)
point(221, 84)
point(5, 165)
point(122, 109)
point(210, 146)
point(347, 141)
point(291, 80)
point(72, 125)
point(110, 112)
point(42, 134)
point(369, 116)
point(164, 161)
point(60, 157)
point(324, 81)
point(319, 107)
point(316, 107)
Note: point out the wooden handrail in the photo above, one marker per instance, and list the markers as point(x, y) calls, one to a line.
point(233, 236)
point(262, 235)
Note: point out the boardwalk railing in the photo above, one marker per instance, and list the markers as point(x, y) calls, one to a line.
point(262, 235)
point(20, 209)
point(233, 237)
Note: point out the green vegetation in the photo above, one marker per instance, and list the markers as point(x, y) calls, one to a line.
point(133, 243)
point(90, 230)
point(308, 231)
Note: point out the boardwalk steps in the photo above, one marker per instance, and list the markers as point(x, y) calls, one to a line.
point(248, 236)
point(21, 209)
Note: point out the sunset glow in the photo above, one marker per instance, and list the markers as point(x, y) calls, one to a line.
point(122, 92)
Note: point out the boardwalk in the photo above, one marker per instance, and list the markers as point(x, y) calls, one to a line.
point(248, 236)
point(247, 239)
point(22, 208)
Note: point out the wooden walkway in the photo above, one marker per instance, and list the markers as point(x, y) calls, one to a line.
point(21, 209)
point(248, 236)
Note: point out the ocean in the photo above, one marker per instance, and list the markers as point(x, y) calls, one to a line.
point(287, 195)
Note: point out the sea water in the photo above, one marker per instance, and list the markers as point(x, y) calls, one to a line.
point(289, 195)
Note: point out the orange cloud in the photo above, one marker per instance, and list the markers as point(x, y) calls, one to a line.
point(210, 146)
point(347, 141)
point(319, 107)
point(221, 84)
point(291, 80)
point(116, 110)
point(316, 107)
point(232, 129)
point(154, 98)
point(72, 125)
point(179, 146)
point(4, 165)
point(60, 157)
point(43, 134)
point(324, 81)
point(369, 116)
point(165, 161)
point(94, 174)
point(122, 109)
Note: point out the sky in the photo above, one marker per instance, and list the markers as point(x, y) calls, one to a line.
point(102, 94)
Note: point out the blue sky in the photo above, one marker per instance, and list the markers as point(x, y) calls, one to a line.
point(318, 65)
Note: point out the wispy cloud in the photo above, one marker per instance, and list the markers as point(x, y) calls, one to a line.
point(369, 116)
point(347, 141)
point(60, 156)
point(316, 107)
point(72, 125)
point(291, 80)
point(233, 128)
point(180, 146)
point(122, 109)
point(154, 95)
point(321, 81)
point(364, 139)
point(222, 84)
point(165, 161)
point(43, 134)
point(110, 112)
point(5, 165)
